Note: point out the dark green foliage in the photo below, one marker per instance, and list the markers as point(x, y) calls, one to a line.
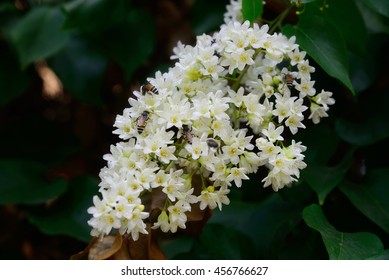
point(252, 9)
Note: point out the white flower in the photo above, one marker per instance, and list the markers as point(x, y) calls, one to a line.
point(177, 214)
point(296, 57)
point(317, 112)
point(173, 189)
point(237, 175)
point(232, 153)
point(294, 122)
point(305, 87)
point(283, 106)
point(324, 99)
point(163, 222)
point(234, 11)
point(267, 149)
point(237, 97)
point(197, 148)
point(208, 198)
point(273, 133)
point(135, 224)
point(161, 179)
point(174, 113)
point(145, 177)
point(305, 70)
point(238, 87)
point(166, 154)
point(126, 127)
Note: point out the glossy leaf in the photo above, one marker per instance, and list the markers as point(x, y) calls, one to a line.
point(363, 70)
point(81, 69)
point(375, 22)
point(131, 43)
point(88, 15)
point(350, 24)
point(321, 141)
point(39, 34)
point(326, 47)
point(361, 133)
point(380, 6)
point(226, 243)
point(206, 16)
point(371, 196)
point(371, 126)
point(381, 256)
point(340, 245)
point(13, 81)
point(323, 179)
point(322, 144)
point(251, 9)
point(271, 219)
point(69, 215)
point(176, 246)
point(23, 181)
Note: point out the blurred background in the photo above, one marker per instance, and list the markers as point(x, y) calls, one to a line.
point(67, 68)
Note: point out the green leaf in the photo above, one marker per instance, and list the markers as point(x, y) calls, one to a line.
point(271, 219)
point(8, 13)
point(206, 16)
point(323, 179)
point(226, 243)
point(340, 245)
point(38, 35)
point(364, 70)
point(375, 22)
point(326, 47)
point(13, 81)
point(69, 215)
point(81, 69)
point(22, 181)
point(361, 133)
point(350, 24)
point(371, 126)
point(322, 143)
point(176, 246)
point(371, 196)
point(252, 10)
point(94, 15)
point(131, 43)
point(382, 256)
point(380, 6)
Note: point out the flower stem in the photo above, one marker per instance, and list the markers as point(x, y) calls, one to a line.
point(278, 20)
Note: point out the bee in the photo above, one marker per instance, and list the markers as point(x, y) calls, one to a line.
point(212, 143)
point(141, 121)
point(187, 133)
point(288, 79)
point(149, 88)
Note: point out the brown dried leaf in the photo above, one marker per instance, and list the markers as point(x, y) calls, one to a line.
point(105, 248)
point(123, 253)
point(100, 249)
point(145, 248)
point(158, 198)
point(196, 214)
point(123, 248)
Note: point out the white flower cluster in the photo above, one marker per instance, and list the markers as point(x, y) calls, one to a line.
point(219, 114)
